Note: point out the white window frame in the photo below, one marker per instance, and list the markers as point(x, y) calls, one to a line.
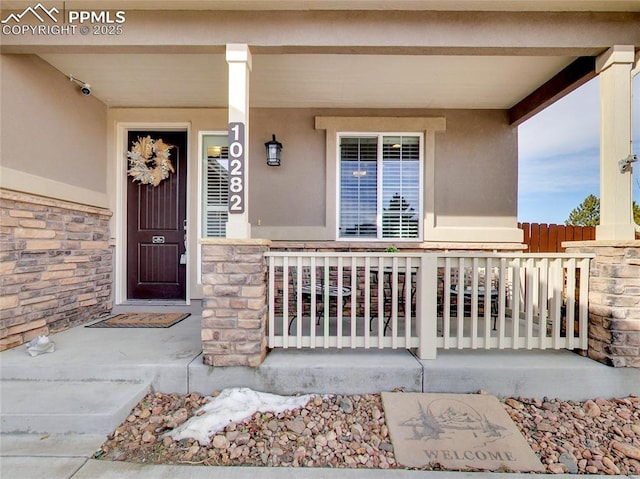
point(379, 186)
point(429, 126)
point(200, 213)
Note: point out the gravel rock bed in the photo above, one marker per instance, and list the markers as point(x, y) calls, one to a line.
point(592, 437)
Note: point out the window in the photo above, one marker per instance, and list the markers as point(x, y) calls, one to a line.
point(380, 186)
point(215, 184)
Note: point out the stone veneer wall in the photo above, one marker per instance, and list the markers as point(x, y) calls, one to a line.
point(55, 263)
point(234, 316)
point(614, 301)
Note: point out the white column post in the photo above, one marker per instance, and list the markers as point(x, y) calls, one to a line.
point(239, 61)
point(616, 213)
point(427, 306)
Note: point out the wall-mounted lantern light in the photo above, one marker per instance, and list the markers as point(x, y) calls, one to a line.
point(274, 147)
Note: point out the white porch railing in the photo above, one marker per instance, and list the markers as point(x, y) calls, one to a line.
point(427, 301)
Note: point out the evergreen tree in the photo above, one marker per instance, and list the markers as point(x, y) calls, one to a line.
point(399, 219)
point(587, 213)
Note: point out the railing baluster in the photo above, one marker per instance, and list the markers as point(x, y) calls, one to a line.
point(584, 303)
point(299, 301)
point(530, 294)
point(338, 304)
point(272, 303)
point(571, 301)
point(488, 301)
point(354, 295)
point(460, 305)
point(367, 302)
point(408, 299)
point(285, 301)
point(515, 324)
point(556, 272)
point(325, 302)
point(313, 314)
point(446, 311)
point(394, 302)
point(381, 302)
point(502, 302)
point(474, 303)
point(544, 303)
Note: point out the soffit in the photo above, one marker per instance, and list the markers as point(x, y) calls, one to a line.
point(313, 80)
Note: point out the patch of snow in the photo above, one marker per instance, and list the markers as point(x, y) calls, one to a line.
point(40, 345)
point(233, 405)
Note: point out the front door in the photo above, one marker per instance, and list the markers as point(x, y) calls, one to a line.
point(156, 214)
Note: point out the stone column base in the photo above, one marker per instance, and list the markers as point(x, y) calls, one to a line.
point(614, 301)
point(234, 316)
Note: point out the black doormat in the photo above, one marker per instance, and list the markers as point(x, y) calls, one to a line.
point(141, 320)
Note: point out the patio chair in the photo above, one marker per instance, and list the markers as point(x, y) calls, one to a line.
point(321, 289)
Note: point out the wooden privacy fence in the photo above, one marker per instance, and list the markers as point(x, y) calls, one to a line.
point(548, 238)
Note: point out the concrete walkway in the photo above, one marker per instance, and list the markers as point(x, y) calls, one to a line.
point(57, 408)
point(68, 457)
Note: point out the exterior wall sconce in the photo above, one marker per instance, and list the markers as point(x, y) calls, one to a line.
point(274, 147)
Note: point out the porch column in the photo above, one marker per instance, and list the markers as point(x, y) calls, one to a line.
point(616, 212)
point(239, 61)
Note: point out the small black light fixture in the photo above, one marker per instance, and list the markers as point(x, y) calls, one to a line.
point(274, 147)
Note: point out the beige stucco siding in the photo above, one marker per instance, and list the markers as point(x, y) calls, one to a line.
point(476, 170)
point(475, 184)
point(53, 139)
point(293, 194)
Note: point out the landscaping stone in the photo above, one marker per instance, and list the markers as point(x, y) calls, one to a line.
point(601, 445)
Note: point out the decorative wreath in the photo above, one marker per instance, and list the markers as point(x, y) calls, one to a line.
point(149, 161)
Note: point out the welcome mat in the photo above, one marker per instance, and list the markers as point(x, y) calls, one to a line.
point(457, 431)
point(141, 320)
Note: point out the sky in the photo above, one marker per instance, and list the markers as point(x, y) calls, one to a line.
point(559, 155)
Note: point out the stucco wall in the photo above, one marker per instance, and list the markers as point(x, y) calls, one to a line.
point(476, 171)
point(53, 139)
point(476, 164)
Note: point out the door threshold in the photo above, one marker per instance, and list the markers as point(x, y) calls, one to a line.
point(154, 302)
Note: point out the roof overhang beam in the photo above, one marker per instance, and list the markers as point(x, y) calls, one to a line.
point(568, 79)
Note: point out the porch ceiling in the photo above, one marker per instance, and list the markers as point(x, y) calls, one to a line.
point(313, 80)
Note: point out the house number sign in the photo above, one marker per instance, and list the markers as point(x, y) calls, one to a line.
point(236, 168)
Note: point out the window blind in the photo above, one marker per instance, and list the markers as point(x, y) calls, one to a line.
point(216, 195)
point(380, 186)
point(358, 187)
point(400, 186)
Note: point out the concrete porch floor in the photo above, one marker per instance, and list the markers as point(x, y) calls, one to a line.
point(170, 360)
point(57, 408)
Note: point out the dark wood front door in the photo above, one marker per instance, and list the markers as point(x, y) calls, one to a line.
point(156, 224)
